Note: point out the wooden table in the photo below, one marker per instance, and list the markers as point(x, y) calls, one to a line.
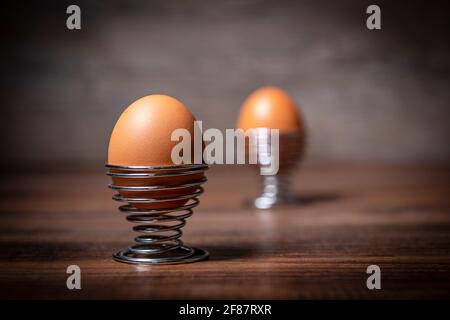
point(397, 217)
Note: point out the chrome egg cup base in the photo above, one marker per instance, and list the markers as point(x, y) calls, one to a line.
point(183, 254)
point(276, 189)
point(160, 229)
point(268, 202)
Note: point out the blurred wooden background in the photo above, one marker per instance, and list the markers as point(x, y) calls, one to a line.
point(377, 96)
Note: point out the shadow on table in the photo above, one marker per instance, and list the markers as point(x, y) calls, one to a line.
point(290, 200)
point(228, 252)
point(309, 199)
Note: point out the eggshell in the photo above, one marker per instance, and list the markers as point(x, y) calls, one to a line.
point(142, 134)
point(270, 107)
point(142, 137)
point(273, 108)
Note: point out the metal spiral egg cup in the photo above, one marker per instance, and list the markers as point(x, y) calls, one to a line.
point(160, 229)
point(276, 189)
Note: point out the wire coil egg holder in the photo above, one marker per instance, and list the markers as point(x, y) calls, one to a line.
point(276, 189)
point(158, 218)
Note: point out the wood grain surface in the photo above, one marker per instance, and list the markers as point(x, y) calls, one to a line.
point(397, 217)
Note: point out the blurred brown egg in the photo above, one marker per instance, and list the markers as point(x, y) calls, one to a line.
point(272, 108)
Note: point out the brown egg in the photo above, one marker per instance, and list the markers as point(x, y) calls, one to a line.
point(270, 107)
point(142, 137)
point(273, 108)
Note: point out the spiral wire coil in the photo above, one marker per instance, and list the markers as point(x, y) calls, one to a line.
point(159, 212)
point(276, 189)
